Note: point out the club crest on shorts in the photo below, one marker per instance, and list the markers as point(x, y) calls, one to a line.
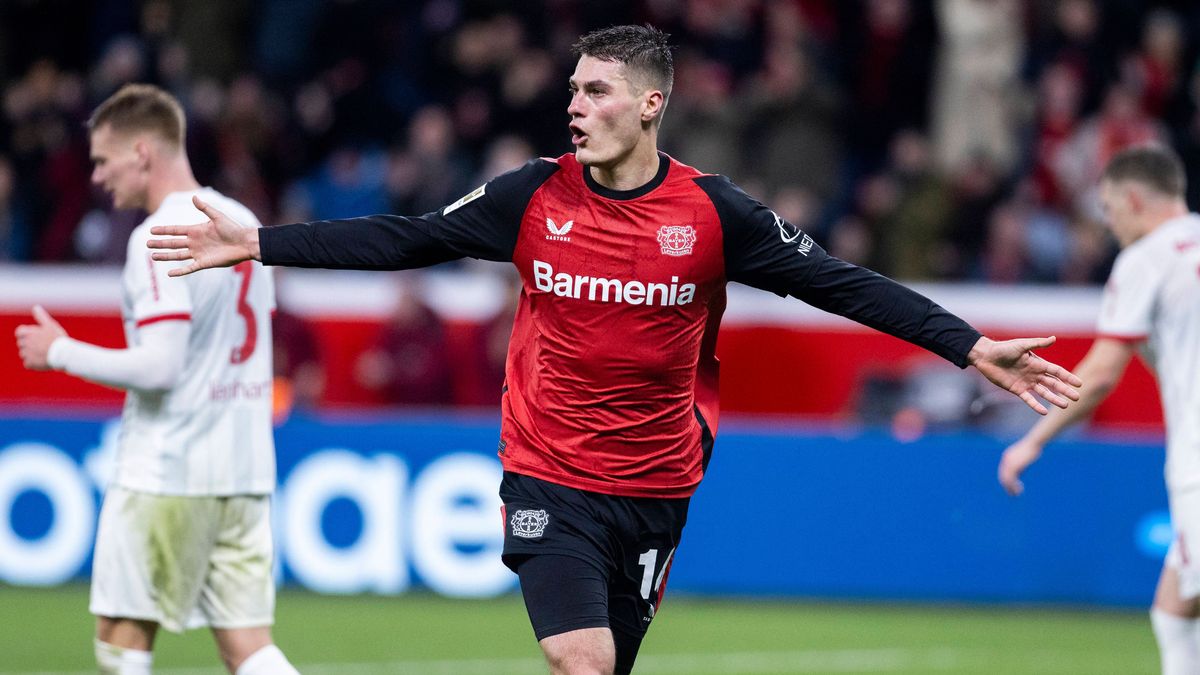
point(677, 240)
point(529, 523)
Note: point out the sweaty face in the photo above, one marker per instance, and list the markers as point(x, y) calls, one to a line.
point(117, 169)
point(606, 114)
point(1120, 210)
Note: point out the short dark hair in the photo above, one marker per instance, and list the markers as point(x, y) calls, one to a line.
point(142, 107)
point(642, 49)
point(1155, 166)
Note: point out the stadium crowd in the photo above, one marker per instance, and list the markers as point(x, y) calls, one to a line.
point(940, 140)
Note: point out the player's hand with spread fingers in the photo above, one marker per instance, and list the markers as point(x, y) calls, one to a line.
point(219, 242)
point(1012, 366)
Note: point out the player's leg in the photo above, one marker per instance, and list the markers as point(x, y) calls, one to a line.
point(567, 601)
point(238, 597)
point(141, 575)
point(124, 646)
point(651, 530)
point(1176, 627)
point(1176, 607)
point(560, 543)
point(251, 651)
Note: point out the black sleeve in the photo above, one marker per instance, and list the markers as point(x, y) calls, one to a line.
point(483, 224)
point(765, 251)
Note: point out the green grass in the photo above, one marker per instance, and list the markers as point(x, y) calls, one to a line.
point(50, 631)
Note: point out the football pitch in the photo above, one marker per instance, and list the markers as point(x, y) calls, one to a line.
point(49, 631)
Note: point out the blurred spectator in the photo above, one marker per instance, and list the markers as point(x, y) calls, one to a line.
point(1059, 102)
point(407, 364)
point(14, 222)
point(916, 236)
point(1068, 32)
point(887, 54)
point(493, 341)
point(976, 100)
point(429, 172)
point(702, 119)
point(505, 154)
point(977, 188)
point(352, 182)
point(792, 119)
point(1120, 124)
point(1004, 253)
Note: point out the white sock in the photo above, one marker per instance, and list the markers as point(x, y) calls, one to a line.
point(114, 660)
point(267, 661)
point(1178, 646)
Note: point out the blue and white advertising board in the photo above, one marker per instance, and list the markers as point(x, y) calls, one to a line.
point(384, 504)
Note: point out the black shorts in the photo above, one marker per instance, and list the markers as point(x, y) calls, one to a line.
point(601, 561)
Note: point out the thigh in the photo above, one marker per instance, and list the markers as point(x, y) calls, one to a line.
point(562, 594)
point(239, 588)
point(151, 557)
point(650, 534)
point(650, 531)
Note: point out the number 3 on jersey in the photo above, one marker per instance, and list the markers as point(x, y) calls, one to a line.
point(243, 352)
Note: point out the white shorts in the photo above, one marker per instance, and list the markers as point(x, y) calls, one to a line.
point(184, 562)
point(1185, 549)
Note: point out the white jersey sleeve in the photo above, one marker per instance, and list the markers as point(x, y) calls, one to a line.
point(1127, 308)
point(151, 295)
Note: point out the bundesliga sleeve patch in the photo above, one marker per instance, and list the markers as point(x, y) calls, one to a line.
point(467, 198)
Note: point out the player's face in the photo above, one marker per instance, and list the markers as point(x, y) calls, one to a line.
point(1120, 206)
point(606, 113)
point(118, 168)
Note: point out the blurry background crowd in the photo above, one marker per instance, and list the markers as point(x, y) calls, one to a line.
point(931, 140)
point(955, 140)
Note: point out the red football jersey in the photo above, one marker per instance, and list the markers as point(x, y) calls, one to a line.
point(611, 380)
point(612, 371)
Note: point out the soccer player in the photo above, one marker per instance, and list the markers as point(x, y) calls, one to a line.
point(184, 537)
point(1151, 304)
point(610, 399)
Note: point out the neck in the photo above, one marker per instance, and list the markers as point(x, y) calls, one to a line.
point(631, 171)
point(1168, 211)
point(174, 176)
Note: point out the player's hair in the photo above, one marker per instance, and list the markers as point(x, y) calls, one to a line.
point(1155, 166)
point(643, 50)
point(142, 107)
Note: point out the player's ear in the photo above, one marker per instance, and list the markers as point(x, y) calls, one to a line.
point(141, 148)
point(652, 105)
point(1136, 198)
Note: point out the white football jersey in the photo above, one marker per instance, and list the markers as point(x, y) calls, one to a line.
point(1153, 298)
point(212, 433)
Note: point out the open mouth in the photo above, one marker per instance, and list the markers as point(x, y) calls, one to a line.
point(578, 137)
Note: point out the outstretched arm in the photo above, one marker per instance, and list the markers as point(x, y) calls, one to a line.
point(765, 251)
point(483, 224)
point(1101, 368)
point(154, 364)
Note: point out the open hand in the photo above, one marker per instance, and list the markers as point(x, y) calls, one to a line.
point(219, 242)
point(1012, 366)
